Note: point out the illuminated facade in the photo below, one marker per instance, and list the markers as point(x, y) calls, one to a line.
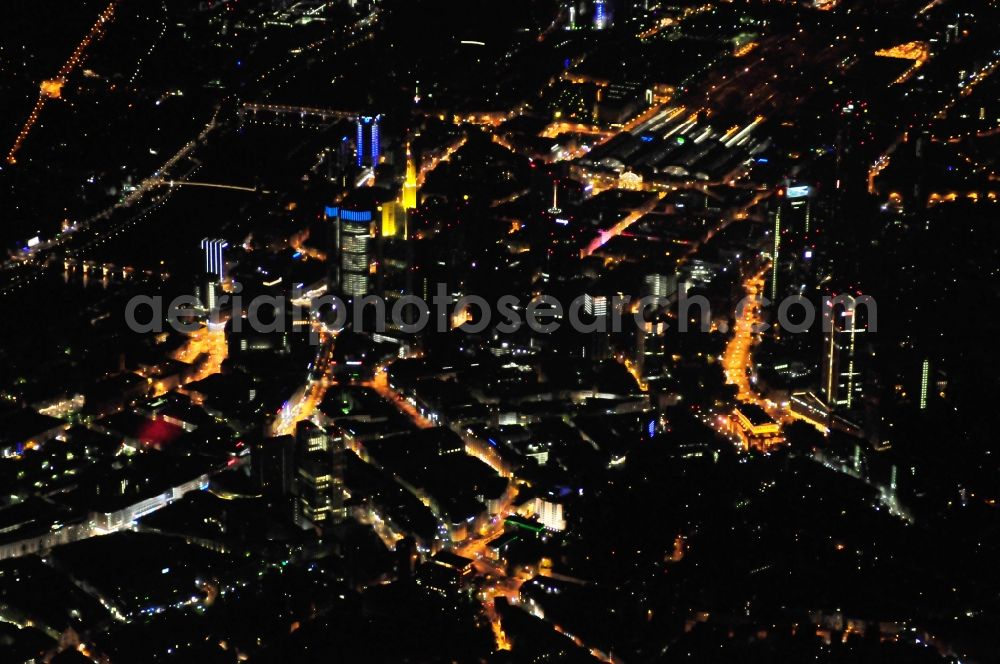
point(96, 523)
point(841, 385)
point(808, 407)
point(925, 378)
point(215, 262)
point(394, 215)
point(353, 244)
point(755, 428)
point(776, 255)
point(601, 17)
point(595, 305)
point(320, 492)
point(207, 291)
point(660, 286)
point(792, 225)
point(410, 183)
point(651, 348)
point(800, 209)
point(368, 142)
point(310, 438)
point(550, 514)
point(392, 219)
point(630, 180)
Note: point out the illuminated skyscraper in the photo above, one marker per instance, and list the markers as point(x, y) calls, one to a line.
point(318, 478)
point(925, 378)
point(660, 286)
point(601, 17)
point(651, 346)
point(207, 291)
point(410, 183)
point(314, 481)
point(310, 438)
point(214, 257)
point(798, 201)
point(368, 142)
point(843, 355)
point(792, 227)
point(393, 219)
point(776, 255)
point(353, 244)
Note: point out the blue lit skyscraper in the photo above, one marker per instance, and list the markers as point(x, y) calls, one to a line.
point(359, 142)
point(600, 14)
point(368, 142)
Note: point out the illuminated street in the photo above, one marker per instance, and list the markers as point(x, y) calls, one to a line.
point(304, 402)
point(737, 361)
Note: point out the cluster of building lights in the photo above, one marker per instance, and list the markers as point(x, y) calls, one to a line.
point(917, 51)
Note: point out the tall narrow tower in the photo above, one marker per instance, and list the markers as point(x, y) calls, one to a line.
point(215, 262)
point(368, 142)
point(410, 183)
point(775, 255)
point(925, 379)
point(355, 252)
point(843, 356)
point(555, 209)
point(600, 15)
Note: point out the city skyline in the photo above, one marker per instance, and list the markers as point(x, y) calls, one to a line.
point(557, 330)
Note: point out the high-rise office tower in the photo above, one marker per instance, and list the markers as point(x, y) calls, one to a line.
point(798, 204)
point(601, 14)
point(651, 345)
point(215, 262)
point(309, 437)
point(843, 355)
point(353, 244)
point(925, 379)
point(272, 463)
point(368, 142)
point(318, 478)
point(776, 254)
point(207, 291)
point(792, 225)
point(599, 306)
point(315, 486)
point(660, 286)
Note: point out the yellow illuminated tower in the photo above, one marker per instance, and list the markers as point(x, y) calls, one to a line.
point(410, 184)
point(392, 213)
